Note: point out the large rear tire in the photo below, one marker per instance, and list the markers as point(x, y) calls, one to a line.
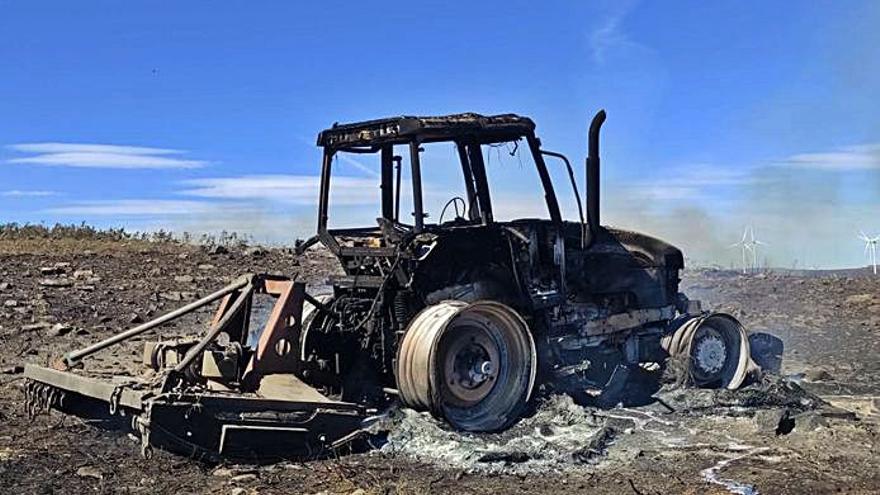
point(473, 365)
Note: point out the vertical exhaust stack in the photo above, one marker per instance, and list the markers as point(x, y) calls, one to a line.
point(593, 176)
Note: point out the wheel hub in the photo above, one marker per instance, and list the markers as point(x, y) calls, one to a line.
point(710, 353)
point(469, 365)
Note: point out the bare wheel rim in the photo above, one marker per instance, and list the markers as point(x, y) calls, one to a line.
point(471, 364)
point(709, 354)
point(470, 359)
point(717, 347)
point(311, 319)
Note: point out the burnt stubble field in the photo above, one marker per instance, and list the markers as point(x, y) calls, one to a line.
point(813, 429)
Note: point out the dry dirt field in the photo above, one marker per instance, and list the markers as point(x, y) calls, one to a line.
point(815, 431)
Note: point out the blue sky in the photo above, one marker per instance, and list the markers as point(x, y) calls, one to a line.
point(203, 115)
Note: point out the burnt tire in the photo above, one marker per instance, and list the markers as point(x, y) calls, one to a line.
point(716, 348)
point(473, 365)
point(312, 318)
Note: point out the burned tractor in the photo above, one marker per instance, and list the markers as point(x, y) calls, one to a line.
point(467, 317)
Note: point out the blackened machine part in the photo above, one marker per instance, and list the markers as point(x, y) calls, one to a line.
point(593, 176)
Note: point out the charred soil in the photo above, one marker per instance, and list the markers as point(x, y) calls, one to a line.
point(813, 429)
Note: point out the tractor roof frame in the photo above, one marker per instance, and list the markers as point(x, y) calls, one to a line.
point(468, 131)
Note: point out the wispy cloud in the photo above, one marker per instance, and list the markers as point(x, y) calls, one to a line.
point(21, 193)
point(609, 35)
point(858, 157)
point(90, 148)
point(290, 189)
point(134, 207)
point(101, 156)
point(345, 157)
point(692, 182)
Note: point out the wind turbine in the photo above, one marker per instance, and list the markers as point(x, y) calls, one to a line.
point(749, 244)
point(871, 248)
point(754, 248)
point(745, 245)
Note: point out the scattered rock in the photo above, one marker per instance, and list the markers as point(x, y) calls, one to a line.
point(35, 326)
point(184, 279)
point(13, 370)
point(89, 472)
point(10, 303)
point(189, 296)
point(243, 478)
point(59, 329)
point(810, 421)
point(135, 318)
point(860, 299)
point(55, 282)
point(171, 296)
point(238, 491)
point(817, 375)
point(217, 249)
point(222, 472)
point(5, 285)
point(206, 267)
point(776, 421)
point(255, 251)
point(83, 273)
point(596, 446)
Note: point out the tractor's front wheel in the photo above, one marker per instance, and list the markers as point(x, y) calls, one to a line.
point(715, 347)
point(473, 364)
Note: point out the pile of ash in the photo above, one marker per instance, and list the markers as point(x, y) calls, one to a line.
point(562, 435)
point(768, 392)
point(559, 434)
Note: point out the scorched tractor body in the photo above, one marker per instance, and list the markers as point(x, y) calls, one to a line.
point(468, 317)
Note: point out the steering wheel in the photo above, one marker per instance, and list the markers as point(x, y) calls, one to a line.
point(454, 202)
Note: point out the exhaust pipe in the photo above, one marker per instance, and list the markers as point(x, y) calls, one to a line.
point(593, 176)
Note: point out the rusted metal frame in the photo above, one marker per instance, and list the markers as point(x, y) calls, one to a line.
point(274, 286)
point(475, 153)
point(87, 386)
point(267, 357)
point(387, 182)
point(225, 304)
point(473, 204)
point(415, 163)
point(73, 357)
point(197, 350)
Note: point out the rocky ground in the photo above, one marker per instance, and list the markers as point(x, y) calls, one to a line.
point(816, 431)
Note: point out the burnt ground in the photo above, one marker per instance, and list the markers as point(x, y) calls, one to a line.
point(773, 437)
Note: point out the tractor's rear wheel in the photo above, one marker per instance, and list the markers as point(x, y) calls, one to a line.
point(312, 319)
point(472, 364)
